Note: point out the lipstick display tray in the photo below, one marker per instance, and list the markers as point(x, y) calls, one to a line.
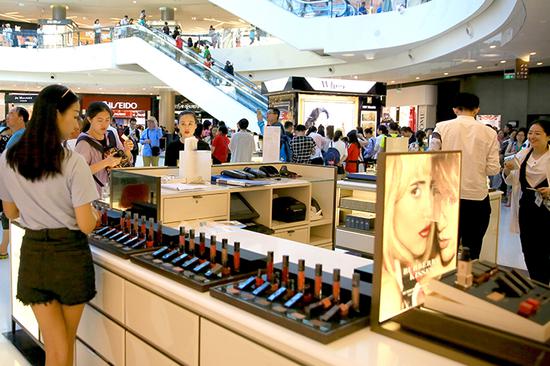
point(169, 235)
point(294, 318)
point(250, 262)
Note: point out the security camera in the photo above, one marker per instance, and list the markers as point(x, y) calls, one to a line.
point(52, 76)
point(331, 70)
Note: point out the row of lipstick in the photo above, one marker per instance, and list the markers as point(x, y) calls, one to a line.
point(132, 232)
point(299, 293)
point(188, 257)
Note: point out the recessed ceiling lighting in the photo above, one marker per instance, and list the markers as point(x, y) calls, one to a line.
point(493, 46)
point(193, 18)
point(355, 77)
point(539, 63)
point(142, 88)
point(479, 67)
point(417, 78)
point(393, 81)
point(348, 54)
point(134, 1)
point(490, 55)
point(445, 73)
point(503, 61)
point(532, 53)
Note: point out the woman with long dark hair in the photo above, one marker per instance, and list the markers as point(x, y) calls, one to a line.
point(50, 190)
point(354, 153)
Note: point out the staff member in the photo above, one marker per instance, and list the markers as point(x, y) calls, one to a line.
point(530, 174)
point(480, 157)
point(133, 133)
point(150, 138)
point(188, 127)
point(50, 190)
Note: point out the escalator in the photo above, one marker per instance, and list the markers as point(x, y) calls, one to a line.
point(224, 96)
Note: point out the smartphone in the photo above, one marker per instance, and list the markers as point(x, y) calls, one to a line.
point(124, 137)
point(514, 160)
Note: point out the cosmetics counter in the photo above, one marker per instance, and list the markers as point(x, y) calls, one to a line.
point(356, 214)
point(140, 317)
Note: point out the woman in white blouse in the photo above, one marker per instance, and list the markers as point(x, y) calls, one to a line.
point(529, 175)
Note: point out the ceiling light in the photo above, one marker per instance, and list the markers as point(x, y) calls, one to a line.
point(393, 81)
point(479, 67)
point(417, 78)
point(21, 4)
point(355, 77)
point(503, 61)
point(539, 63)
point(445, 73)
point(490, 55)
point(532, 54)
point(348, 54)
point(193, 18)
point(134, 1)
point(493, 46)
point(142, 88)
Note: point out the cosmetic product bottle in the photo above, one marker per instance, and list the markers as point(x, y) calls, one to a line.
point(284, 271)
point(336, 285)
point(236, 256)
point(226, 271)
point(191, 250)
point(269, 266)
point(143, 234)
point(129, 223)
point(291, 289)
point(301, 285)
point(331, 313)
point(345, 309)
point(135, 230)
point(151, 235)
point(318, 285)
point(213, 249)
point(464, 276)
point(259, 279)
point(104, 218)
point(122, 222)
point(159, 238)
point(202, 245)
point(181, 240)
point(318, 307)
point(355, 292)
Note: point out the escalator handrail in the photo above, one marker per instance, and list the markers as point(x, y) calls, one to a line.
point(259, 98)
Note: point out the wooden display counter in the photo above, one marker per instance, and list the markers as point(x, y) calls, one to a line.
point(141, 318)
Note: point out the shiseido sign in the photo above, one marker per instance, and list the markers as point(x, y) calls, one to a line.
point(122, 105)
point(119, 102)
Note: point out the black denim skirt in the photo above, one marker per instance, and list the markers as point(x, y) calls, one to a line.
point(55, 264)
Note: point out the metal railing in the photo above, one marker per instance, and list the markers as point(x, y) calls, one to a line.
point(343, 8)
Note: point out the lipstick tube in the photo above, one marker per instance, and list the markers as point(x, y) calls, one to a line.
point(236, 256)
point(336, 285)
point(182, 240)
point(317, 288)
point(301, 285)
point(143, 234)
point(192, 241)
point(202, 244)
point(269, 266)
point(345, 308)
point(129, 223)
point(259, 279)
point(284, 271)
point(122, 222)
point(225, 258)
point(331, 313)
point(159, 238)
point(136, 225)
point(355, 292)
point(151, 236)
point(104, 217)
point(213, 249)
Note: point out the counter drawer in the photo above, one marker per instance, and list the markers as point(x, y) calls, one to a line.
point(86, 357)
point(301, 235)
point(195, 207)
point(103, 335)
point(140, 353)
point(110, 293)
point(169, 327)
point(220, 346)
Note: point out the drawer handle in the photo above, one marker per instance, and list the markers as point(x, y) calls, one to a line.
point(197, 197)
point(291, 231)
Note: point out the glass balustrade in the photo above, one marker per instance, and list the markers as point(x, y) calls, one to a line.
point(343, 8)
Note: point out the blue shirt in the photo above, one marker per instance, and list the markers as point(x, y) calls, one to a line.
point(261, 125)
point(15, 137)
point(153, 135)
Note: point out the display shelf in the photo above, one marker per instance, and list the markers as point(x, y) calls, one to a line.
point(354, 240)
point(199, 279)
point(301, 317)
point(279, 225)
point(323, 221)
point(319, 241)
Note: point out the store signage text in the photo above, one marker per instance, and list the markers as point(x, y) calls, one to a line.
point(122, 105)
point(340, 85)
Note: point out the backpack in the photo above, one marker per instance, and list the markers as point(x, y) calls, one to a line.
point(286, 151)
point(331, 156)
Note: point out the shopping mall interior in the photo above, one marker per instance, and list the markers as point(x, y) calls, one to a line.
point(295, 232)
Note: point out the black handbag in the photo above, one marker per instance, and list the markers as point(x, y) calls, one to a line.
point(155, 150)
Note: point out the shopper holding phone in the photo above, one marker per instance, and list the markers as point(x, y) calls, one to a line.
point(49, 189)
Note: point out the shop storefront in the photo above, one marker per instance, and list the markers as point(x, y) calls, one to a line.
point(25, 100)
point(124, 107)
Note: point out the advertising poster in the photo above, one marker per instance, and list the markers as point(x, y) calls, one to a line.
point(338, 111)
point(368, 120)
point(490, 119)
point(420, 226)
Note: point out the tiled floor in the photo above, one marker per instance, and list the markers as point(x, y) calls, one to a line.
point(509, 255)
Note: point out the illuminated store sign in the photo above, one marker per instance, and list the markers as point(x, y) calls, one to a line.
point(119, 102)
point(339, 85)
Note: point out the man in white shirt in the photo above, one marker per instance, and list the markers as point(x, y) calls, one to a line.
point(480, 159)
point(242, 144)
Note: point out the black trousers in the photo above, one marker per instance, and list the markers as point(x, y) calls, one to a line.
point(533, 228)
point(473, 223)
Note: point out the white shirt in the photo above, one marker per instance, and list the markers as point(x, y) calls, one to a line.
point(536, 171)
point(319, 142)
point(480, 153)
point(242, 147)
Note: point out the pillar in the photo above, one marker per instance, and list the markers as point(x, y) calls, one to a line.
point(166, 109)
point(166, 14)
point(59, 12)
